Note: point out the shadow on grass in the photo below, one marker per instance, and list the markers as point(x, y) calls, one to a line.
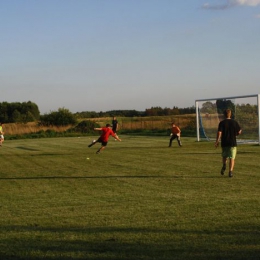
point(27, 148)
point(115, 243)
point(41, 154)
point(111, 177)
point(51, 154)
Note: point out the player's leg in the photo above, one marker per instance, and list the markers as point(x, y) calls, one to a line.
point(231, 166)
point(179, 141)
point(100, 149)
point(233, 152)
point(115, 135)
point(224, 165)
point(103, 146)
point(171, 139)
point(94, 142)
point(225, 155)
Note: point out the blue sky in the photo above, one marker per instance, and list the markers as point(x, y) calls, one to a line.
point(100, 55)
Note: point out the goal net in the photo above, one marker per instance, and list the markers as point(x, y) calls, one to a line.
point(245, 110)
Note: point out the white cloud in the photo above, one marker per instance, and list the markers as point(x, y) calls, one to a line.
point(227, 4)
point(231, 3)
point(247, 2)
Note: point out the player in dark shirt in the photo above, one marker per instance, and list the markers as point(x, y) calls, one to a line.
point(228, 130)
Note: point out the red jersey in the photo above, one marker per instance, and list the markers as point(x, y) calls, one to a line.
point(106, 132)
point(176, 130)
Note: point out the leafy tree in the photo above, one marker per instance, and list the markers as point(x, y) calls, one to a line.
point(208, 107)
point(175, 111)
point(19, 112)
point(29, 117)
point(16, 116)
point(187, 110)
point(87, 114)
point(223, 104)
point(62, 117)
point(4, 112)
point(31, 111)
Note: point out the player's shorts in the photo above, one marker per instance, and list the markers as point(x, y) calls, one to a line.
point(102, 142)
point(229, 152)
point(2, 137)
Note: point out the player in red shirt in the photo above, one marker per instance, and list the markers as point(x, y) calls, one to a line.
point(175, 133)
point(103, 139)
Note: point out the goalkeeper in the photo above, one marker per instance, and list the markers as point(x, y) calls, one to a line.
point(175, 134)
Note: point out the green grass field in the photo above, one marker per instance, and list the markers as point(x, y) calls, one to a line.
point(138, 199)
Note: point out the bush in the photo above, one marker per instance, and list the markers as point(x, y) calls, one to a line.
point(86, 127)
point(62, 117)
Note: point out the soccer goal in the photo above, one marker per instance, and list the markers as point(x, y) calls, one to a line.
point(245, 110)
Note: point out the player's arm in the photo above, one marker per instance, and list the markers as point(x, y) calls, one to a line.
point(115, 136)
point(218, 138)
point(239, 132)
point(98, 129)
point(179, 131)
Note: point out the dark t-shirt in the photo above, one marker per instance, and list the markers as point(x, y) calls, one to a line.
point(229, 129)
point(114, 125)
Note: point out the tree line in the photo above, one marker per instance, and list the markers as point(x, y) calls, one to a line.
point(29, 112)
point(220, 105)
point(17, 112)
point(24, 112)
point(153, 111)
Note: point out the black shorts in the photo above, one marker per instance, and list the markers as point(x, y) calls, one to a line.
point(99, 140)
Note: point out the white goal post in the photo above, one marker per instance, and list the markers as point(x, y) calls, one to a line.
point(245, 109)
